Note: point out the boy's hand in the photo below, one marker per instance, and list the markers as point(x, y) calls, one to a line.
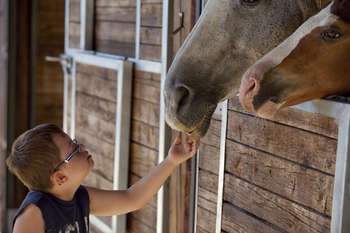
point(180, 152)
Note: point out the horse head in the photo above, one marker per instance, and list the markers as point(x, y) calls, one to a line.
point(229, 36)
point(310, 64)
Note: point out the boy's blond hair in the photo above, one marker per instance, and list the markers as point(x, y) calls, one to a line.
point(34, 156)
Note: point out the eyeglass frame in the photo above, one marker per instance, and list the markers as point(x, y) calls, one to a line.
point(78, 149)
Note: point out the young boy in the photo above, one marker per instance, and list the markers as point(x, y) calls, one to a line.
point(53, 167)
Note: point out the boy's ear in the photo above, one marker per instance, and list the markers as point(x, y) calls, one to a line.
point(58, 178)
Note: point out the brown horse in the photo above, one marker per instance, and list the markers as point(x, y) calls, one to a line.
point(229, 37)
point(311, 63)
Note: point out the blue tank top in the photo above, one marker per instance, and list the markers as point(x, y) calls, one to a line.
point(61, 216)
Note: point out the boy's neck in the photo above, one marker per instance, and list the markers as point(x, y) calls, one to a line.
point(63, 193)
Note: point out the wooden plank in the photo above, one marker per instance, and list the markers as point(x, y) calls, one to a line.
point(303, 185)
point(105, 130)
point(305, 120)
point(146, 112)
point(235, 220)
point(113, 3)
point(101, 72)
point(74, 11)
point(147, 215)
point(150, 52)
point(151, 35)
point(209, 158)
point(151, 14)
point(116, 14)
point(283, 213)
point(147, 78)
point(212, 137)
point(206, 219)
point(126, 49)
point(206, 194)
point(207, 206)
point(142, 159)
point(95, 86)
point(144, 134)
point(308, 149)
point(100, 108)
point(136, 226)
point(145, 92)
point(115, 31)
point(97, 181)
point(89, 137)
point(208, 178)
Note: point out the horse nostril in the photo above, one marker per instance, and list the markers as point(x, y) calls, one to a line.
point(252, 86)
point(182, 96)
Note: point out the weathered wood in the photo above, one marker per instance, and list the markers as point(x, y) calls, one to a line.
point(207, 206)
point(213, 135)
point(74, 35)
point(97, 181)
point(151, 35)
point(95, 126)
point(145, 112)
point(125, 49)
point(303, 185)
point(116, 14)
point(74, 11)
point(145, 92)
point(151, 14)
point(144, 134)
point(90, 138)
point(147, 215)
point(281, 212)
point(305, 120)
point(309, 149)
point(142, 159)
point(95, 86)
point(101, 72)
point(148, 78)
point(206, 194)
point(136, 226)
point(98, 107)
point(209, 158)
point(113, 3)
point(150, 52)
point(237, 221)
point(210, 179)
point(115, 31)
point(206, 219)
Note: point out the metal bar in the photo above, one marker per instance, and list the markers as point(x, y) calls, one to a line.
point(100, 224)
point(122, 139)
point(65, 99)
point(143, 65)
point(341, 190)
point(66, 26)
point(164, 130)
point(86, 24)
point(72, 117)
point(221, 166)
point(138, 29)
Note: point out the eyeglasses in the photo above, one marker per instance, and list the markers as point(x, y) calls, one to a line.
point(78, 149)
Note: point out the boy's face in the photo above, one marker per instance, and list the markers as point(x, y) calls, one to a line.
point(79, 165)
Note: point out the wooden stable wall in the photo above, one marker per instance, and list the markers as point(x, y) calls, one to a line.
point(279, 172)
point(48, 81)
point(3, 110)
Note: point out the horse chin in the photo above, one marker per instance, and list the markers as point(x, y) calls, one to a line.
point(268, 109)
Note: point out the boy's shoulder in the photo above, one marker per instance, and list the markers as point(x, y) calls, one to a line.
point(29, 220)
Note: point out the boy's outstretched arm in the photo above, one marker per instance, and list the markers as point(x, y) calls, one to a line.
point(111, 202)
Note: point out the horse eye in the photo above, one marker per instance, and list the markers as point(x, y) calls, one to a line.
point(330, 34)
point(250, 2)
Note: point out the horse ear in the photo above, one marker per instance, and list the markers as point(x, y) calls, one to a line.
point(341, 8)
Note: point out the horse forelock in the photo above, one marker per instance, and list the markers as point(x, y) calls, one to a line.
point(341, 8)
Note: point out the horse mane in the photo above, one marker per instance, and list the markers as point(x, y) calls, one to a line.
point(341, 8)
